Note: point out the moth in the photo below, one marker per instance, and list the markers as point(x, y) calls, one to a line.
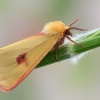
point(19, 59)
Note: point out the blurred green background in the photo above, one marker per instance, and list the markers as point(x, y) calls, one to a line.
point(20, 19)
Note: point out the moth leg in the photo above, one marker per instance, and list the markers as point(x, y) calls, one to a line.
point(57, 55)
point(57, 47)
point(74, 41)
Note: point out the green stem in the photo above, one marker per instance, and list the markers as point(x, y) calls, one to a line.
point(90, 40)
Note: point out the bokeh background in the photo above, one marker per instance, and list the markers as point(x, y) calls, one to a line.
point(20, 19)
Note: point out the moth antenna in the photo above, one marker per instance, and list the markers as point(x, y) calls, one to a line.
point(76, 21)
point(77, 28)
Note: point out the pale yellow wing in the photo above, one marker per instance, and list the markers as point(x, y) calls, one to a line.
point(19, 59)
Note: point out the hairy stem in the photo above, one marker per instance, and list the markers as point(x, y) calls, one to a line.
point(90, 40)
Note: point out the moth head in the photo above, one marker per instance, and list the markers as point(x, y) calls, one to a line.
point(59, 29)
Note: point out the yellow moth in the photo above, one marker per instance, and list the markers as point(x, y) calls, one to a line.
point(19, 59)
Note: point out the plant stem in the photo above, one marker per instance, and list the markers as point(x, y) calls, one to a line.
point(90, 40)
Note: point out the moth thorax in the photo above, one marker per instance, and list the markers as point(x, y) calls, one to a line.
point(56, 28)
